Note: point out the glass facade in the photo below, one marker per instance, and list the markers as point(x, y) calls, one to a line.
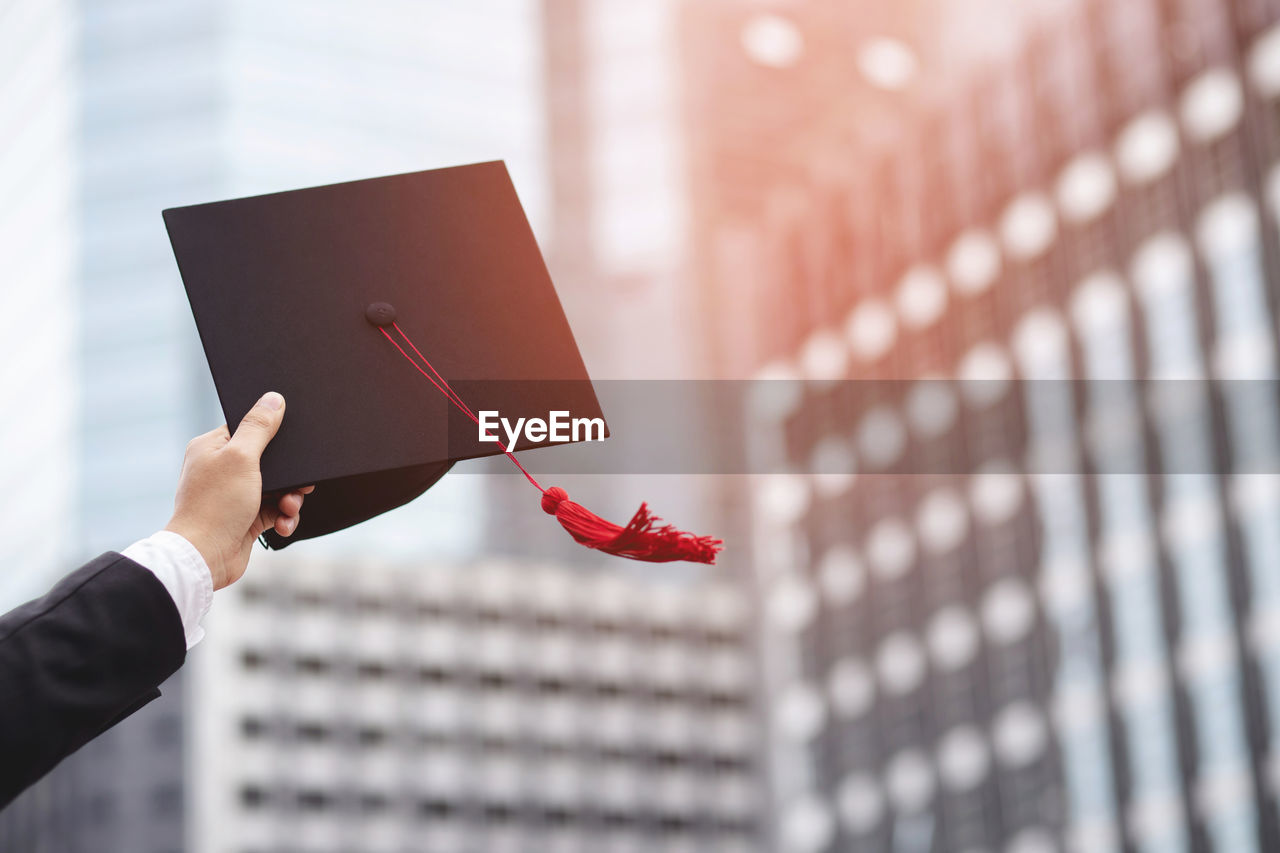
point(37, 239)
point(112, 112)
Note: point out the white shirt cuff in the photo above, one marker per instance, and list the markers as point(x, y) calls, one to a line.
point(179, 566)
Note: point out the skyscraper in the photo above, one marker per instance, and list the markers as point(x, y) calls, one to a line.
point(617, 248)
point(1015, 615)
point(37, 240)
point(116, 111)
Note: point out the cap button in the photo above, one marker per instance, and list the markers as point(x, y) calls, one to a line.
point(380, 313)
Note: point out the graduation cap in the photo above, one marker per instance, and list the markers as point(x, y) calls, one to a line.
point(389, 312)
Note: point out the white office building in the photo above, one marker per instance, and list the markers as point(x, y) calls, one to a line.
point(488, 706)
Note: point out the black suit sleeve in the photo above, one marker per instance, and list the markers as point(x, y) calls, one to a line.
point(78, 660)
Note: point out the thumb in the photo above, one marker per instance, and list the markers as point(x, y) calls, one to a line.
point(260, 424)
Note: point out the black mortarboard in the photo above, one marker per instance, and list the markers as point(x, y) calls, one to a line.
point(323, 293)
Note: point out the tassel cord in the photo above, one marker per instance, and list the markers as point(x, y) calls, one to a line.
point(642, 539)
point(444, 388)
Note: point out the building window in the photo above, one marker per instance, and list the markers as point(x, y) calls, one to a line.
point(166, 800)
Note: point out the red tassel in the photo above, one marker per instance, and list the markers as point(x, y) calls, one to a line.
point(641, 539)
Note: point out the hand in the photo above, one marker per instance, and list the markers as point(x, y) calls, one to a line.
point(220, 508)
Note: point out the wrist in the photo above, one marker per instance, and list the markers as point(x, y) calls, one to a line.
point(203, 546)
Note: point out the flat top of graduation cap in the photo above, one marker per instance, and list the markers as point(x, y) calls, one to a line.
point(280, 286)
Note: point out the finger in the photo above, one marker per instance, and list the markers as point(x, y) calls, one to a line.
point(286, 524)
point(260, 424)
point(266, 520)
point(291, 504)
point(306, 490)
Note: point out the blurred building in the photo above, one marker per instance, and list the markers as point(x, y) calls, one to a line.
point(617, 247)
point(618, 244)
point(37, 229)
point(972, 647)
point(493, 706)
point(110, 113)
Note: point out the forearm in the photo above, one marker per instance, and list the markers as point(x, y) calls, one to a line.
point(77, 660)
